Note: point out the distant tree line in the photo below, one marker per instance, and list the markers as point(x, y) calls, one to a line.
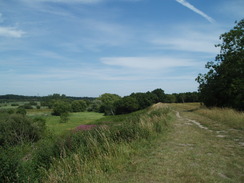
point(16, 98)
point(109, 104)
point(112, 104)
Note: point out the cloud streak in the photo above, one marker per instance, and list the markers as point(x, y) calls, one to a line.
point(193, 8)
point(147, 63)
point(11, 32)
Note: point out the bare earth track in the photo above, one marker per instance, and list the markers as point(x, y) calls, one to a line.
point(189, 152)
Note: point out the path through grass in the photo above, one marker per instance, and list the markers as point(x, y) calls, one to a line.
point(189, 153)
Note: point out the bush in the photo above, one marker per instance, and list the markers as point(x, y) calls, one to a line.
point(78, 106)
point(61, 107)
point(9, 166)
point(17, 128)
point(14, 104)
point(21, 111)
point(64, 117)
point(27, 106)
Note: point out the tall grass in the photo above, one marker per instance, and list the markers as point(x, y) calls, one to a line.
point(230, 117)
point(226, 116)
point(103, 151)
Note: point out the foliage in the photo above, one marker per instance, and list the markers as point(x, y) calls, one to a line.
point(64, 117)
point(108, 100)
point(78, 106)
point(186, 97)
point(61, 107)
point(95, 106)
point(160, 95)
point(21, 110)
point(223, 85)
point(126, 105)
point(17, 129)
point(145, 99)
point(9, 166)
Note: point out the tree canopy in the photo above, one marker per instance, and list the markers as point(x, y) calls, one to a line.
point(223, 85)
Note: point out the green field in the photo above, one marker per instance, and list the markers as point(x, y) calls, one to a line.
point(75, 119)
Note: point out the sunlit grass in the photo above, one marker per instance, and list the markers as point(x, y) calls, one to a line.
point(75, 119)
point(223, 116)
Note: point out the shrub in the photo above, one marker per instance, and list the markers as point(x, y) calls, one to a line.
point(21, 110)
point(61, 107)
point(78, 106)
point(9, 166)
point(14, 104)
point(64, 117)
point(17, 128)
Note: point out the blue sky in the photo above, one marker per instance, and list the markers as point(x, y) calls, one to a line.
point(91, 47)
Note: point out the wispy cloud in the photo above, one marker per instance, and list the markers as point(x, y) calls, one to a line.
point(193, 8)
point(147, 63)
point(11, 32)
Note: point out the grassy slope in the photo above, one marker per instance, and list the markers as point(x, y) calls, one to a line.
point(188, 153)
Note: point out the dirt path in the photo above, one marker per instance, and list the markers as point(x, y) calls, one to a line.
point(188, 152)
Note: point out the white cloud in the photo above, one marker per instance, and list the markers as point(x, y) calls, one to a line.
point(147, 63)
point(11, 32)
point(193, 8)
point(185, 44)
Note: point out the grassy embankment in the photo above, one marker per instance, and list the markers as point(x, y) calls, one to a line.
point(189, 153)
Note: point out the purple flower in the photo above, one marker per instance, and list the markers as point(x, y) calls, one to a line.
point(85, 127)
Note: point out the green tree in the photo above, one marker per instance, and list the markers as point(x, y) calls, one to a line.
point(126, 105)
point(144, 99)
point(108, 101)
point(223, 85)
point(160, 95)
point(95, 106)
point(61, 107)
point(78, 106)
